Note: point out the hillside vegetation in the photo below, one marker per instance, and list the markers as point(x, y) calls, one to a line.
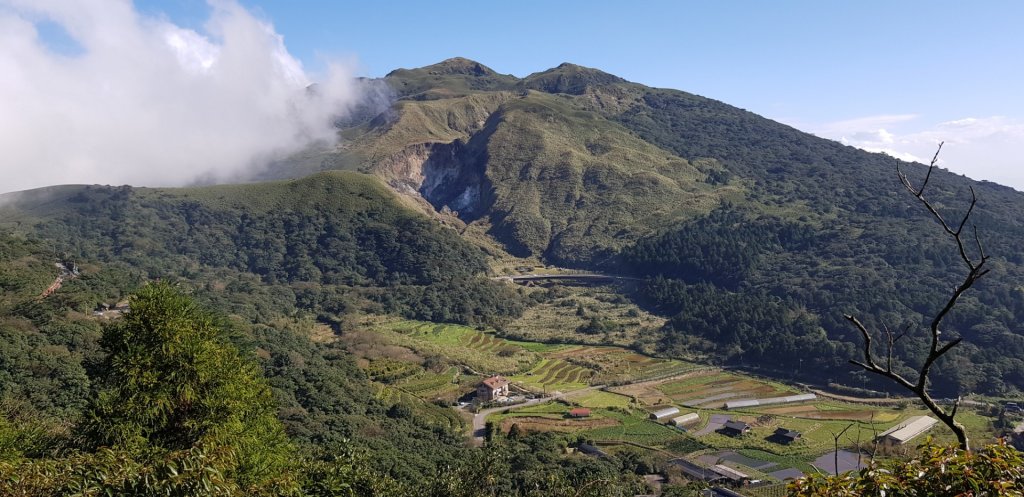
point(335, 297)
point(760, 236)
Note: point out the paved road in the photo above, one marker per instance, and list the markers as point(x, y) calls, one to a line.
point(480, 418)
point(717, 421)
point(578, 277)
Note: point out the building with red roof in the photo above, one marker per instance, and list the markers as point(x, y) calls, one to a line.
point(493, 388)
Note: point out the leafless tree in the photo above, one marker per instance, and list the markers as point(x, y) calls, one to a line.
point(974, 259)
point(835, 454)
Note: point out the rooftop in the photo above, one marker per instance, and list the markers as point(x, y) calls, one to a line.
point(737, 425)
point(496, 381)
point(909, 429)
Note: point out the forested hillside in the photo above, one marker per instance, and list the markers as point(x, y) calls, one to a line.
point(268, 348)
point(580, 168)
point(760, 236)
point(752, 240)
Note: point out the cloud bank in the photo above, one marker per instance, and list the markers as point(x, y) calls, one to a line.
point(983, 148)
point(147, 102)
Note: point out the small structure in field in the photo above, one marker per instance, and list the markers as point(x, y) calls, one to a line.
point(698, 472)
point(740, 404)
point(908, 430)
point(784, 436)
point(579, 412)
point(731, 474)
point(664, 413)
point(685, 419)
point(493, 388)
point(735, 428)
point(591, 450)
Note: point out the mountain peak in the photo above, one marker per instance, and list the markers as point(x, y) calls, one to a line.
point(458, 65)
point(450, 77)
point(570, 78)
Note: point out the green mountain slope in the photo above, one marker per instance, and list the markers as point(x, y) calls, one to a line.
point(581, 168)
point(343, 233)
point(577, 167)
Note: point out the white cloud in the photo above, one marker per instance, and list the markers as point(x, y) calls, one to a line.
point(983, 148)
point(151, 103)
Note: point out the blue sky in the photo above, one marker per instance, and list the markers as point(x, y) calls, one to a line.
point(895, 76)
point(883, 75)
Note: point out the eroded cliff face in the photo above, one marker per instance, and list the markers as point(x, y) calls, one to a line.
point(444, 174)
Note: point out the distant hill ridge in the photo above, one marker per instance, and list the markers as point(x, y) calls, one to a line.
point(756, 236)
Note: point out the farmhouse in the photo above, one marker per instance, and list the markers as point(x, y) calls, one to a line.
point(664, 413)
point(784, 436)
point(735, 428)
point(685, 419)
point(493, 388)
point(579, 412)
point(908, 430)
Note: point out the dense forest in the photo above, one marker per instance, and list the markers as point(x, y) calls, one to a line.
point(762, 290)
point(172, 399)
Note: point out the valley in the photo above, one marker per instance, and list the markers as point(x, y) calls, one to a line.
point(619, 389)
point(659, 280)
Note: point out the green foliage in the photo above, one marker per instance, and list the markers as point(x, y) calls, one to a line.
point(936, 470)
point(533, 466)
point(172, 382)
point(724, 248)
point(190, 472)
point(765, 291)
point(569, 78)
point(584, 165)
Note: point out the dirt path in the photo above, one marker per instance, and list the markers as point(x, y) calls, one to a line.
point(66, 273)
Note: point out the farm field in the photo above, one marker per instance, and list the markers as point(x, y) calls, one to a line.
point(554, 374)
point(599, 398)
point(705, 388)
point(831, 410)
point(430, 414)
point(563, 311)
point(532, 366)
point(552, 416)
point(448, 385)
point(615, 365)
point(636, 429)
point(424, 362)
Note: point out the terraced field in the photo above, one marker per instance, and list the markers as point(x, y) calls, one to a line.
point(535, 366)
point(555, 374)
point(564, 309)
point(427, 412)
point(619, 414)
point(448, 385)
point(617, 365)
point(461, 345)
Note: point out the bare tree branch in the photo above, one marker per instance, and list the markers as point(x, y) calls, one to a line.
point(836, 453)
point(975, 266)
